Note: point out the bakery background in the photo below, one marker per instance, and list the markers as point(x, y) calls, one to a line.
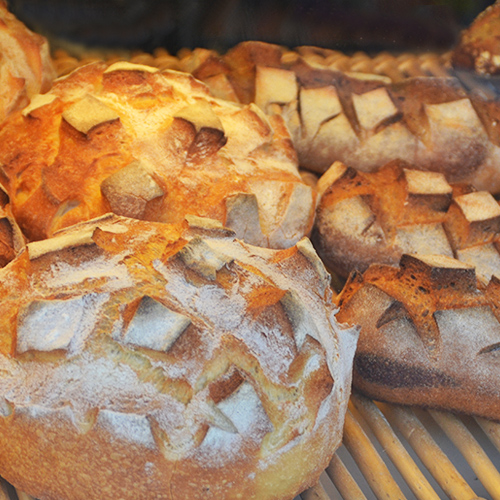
point(347, 25)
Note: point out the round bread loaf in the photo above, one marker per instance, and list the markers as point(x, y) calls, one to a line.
point(149, 360)
point(365, 218)
point(25, 65)
point(151, 145)
point(430, 334)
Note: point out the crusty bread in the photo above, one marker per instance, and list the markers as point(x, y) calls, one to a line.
point(151, 145)
point(12, 240)
point(430, 335)
point(364, 121)
point(365, 218)
point(362, 111)
point(25, 65)
point(149, 360)
point(479, 47)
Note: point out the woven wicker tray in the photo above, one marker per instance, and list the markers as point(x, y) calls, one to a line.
point(393, 452)
point(395, 67)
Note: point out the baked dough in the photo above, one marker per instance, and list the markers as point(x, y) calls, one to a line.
point(152, 145)
point(430, 335)
point(149, 360)
point(367, 218)
point(362, 120)
point(26, 68)
point(479, 47)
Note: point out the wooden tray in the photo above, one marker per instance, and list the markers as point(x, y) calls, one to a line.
point(393, 452)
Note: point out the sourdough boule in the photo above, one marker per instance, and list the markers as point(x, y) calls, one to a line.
point(152, 145)
point(148, 360)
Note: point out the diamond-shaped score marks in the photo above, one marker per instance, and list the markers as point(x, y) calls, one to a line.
point(473, 219)
point(300, 318)
point(87, 113)
point(244, 410)
point(373, 107)
point(318, 105)
point(47, 325)
point(130, 189)
point(200, 257)
point(428, 188)
point(209, 135)
point(274, 85)
point(154, 326)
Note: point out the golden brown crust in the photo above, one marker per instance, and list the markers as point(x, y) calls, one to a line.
point(26, 67)
point(144, 359)
point(152, 145)
point(363, 114)
point(479, 46)
point(366, 218)
point(430, 335)
point(365, 121)
point(12, 240)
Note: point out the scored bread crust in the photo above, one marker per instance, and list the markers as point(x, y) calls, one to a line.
point(12, 240)
point(26, 68)
point(364, 121)
point(359, 110)
point(430, 335)
point(479, 48)
point(365, 218)
point(151, 145)
point(148, 360)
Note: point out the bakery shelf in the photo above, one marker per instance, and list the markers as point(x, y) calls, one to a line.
point(393, 452)
point(389, 452)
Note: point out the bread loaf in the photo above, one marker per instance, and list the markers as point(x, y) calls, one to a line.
point(151, 145)
point(11, 238)
point(432, 122)
point(149, 360)
point(479, 48)
point(430, 334)
point(365, 218)
point(25, 65)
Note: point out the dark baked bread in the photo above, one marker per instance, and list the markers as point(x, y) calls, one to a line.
point(364, 218)
point(148, 360)
point(430, 335)
point(156, 146)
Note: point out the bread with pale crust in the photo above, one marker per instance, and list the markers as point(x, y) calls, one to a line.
point(26, 68)
point(365, 121)
point(149, 360)
point(430, 334)
point(156, 146)
point(374, 218)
